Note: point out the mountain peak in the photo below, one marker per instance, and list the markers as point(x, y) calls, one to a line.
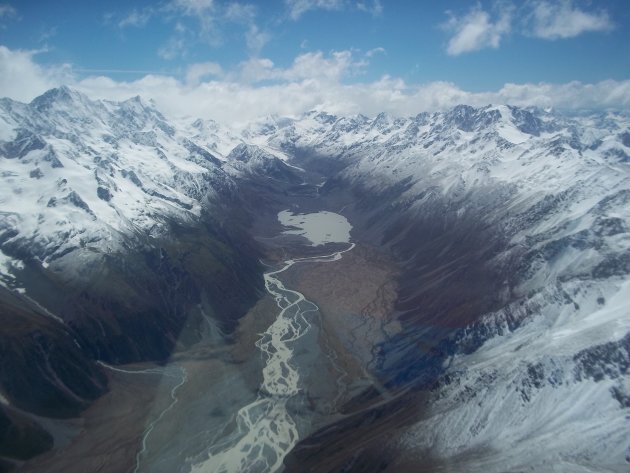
point(59, 95)
point(137, 104)
point(468, 118)
point(321, 116)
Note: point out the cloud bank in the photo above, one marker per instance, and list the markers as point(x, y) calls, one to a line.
point(21, 78)
point(314, 81)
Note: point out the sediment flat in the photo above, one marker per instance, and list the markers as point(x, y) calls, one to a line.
point(355, 295)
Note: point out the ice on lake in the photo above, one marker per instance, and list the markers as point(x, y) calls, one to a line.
point(319, 228)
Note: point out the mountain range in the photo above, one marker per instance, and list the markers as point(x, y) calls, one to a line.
point(126, 235)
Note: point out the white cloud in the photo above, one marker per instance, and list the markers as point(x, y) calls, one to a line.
point(206, 22)
point(21, 78)
point(244, 13)
point(137, 18)
point(555, 20)
point(375, 8)
point(315, 65)
point(476, 30)
point(196, 72)
point(254, 70)
point(234, 102)
point(240, 12)
point(193, 21)
point(312, 65)
point(297, 8)
point(256, 39)
point(546, 19)
point(193, 7)
point(47, 34)
point(375, 51)
point(7, 10)
point(175, 47)
point(312, 81)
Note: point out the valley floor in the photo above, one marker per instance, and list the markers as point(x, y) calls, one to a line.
point(158, 418)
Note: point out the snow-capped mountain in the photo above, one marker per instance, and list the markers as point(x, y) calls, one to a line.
point(78, 173)
point(511, 227)
point(514, 225)
point(92, 194)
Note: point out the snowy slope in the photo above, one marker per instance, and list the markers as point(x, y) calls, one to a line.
point(543, 374)
point(543, 382)
point(81, 173)
point(117, 236)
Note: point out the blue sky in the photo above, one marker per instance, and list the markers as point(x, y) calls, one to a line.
point(466, 51)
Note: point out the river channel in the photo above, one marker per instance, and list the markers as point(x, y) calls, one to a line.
point(266, 430)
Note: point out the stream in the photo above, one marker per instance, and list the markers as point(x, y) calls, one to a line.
point(265, 430)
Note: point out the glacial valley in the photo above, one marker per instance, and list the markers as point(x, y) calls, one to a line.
point(444, 292)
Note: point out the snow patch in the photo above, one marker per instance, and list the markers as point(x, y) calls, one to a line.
point(4, 401)
point(7, 266)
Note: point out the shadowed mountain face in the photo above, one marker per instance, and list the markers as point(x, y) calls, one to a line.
point(127, 261)
point(446, 284)
point(127, 237)
point(138, 304)
point(496, 217)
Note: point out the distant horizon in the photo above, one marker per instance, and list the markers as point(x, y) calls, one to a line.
point(236, 61)
point(569, 113)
